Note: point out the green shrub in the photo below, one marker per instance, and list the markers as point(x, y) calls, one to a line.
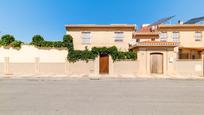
point(76, 55)
point(68, 42)
point(58, 44)
point(48, 44)
point(67, 39)
point(16, 44)
point(37, 40)
point(1, 43)
point(131, 55)
point(7, 39)
point(104, 50)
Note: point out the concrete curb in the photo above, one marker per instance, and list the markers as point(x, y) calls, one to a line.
point(102, 77)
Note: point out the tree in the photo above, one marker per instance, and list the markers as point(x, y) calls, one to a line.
point(16, 44)
point(37, 40)
point(7, 39)
point(68, 42)
point(67, 39)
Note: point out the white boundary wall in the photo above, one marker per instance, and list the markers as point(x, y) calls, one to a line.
point(31, 60)
point(28, 53)
point(189, 67)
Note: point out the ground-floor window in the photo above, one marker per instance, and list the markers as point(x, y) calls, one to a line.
point(189, 54)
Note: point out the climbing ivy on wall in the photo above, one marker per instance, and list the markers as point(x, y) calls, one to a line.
point(86, 55)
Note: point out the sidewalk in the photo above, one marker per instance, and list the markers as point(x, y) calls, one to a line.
point(98, 77)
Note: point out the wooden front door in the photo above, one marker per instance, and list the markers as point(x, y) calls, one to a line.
point(156, 63)
point(104, 64)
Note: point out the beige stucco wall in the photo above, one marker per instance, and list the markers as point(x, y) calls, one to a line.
point(52, 68)
point(1, 68)
point(187, 39)
point(81, 67)
point(21, 68)
point(101, 39)
point(125, 67)
point(28, 54)
point(189, 67)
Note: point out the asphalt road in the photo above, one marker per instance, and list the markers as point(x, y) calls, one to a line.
point(101, 97)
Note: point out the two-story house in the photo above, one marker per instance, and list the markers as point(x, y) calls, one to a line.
point(189, 37)
point(118, 35)
point(89, 36)
point(158, 47)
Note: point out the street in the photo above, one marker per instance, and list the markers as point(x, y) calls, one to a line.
point(101, 97)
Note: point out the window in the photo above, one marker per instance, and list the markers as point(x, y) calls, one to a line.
point(86, 37)
point(190, 54)
point(176, 36)
point(119, 36)
point(163, 36)
point(198, 36)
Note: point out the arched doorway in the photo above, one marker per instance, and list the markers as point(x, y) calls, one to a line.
point(156, 63)
point(104, 64)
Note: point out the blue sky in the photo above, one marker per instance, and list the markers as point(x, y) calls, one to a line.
point(25, 18)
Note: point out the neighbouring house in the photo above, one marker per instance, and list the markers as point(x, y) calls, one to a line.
point(170, 49)
point(189, 37)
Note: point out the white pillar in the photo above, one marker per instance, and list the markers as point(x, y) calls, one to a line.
point(96, 66)
point(6, 65)
point(111, 68)
point(37, 66)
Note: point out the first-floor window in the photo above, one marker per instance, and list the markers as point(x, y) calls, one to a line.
point(198, 36)
point(176, 36)
point(119, 36)
point(163, 36)
point(86, 37)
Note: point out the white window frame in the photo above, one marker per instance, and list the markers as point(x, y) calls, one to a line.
point(163, 36)
point(86, 37)
point(198, 36)
point(119, 36)
point(176, 36)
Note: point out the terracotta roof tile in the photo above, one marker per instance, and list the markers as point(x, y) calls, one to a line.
point(156, 44)
point(145, 29)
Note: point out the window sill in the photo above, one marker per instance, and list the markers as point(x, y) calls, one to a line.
point(85, 43)
point(119, 41)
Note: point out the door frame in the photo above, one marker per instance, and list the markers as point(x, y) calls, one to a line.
point(161, 60)
point(107, 66)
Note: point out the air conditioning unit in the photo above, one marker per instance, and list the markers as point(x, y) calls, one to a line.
point(132, 42)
